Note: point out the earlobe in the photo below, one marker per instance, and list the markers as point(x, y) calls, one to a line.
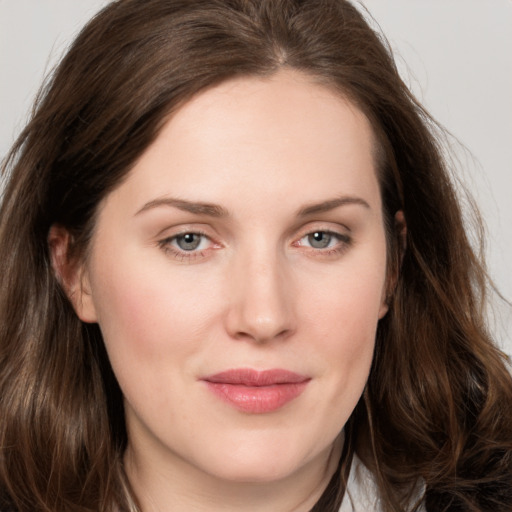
point(384, 308)
point(71, 273)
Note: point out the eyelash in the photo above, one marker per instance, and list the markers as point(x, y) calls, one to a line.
point(343, 243)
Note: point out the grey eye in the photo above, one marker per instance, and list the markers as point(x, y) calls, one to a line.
point(319, 239)
point(189, 241)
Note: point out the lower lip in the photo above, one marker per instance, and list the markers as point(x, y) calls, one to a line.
point(257, 399)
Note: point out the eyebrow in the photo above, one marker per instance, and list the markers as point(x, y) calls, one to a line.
point(331, 204)
point(209, 209)
point(217, 211)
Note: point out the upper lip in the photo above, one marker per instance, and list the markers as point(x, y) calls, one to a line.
point(256, 378)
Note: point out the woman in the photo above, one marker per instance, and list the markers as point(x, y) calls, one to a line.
point(236, 277)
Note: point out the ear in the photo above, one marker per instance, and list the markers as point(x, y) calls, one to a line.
point(71, 273)
point(398, 252)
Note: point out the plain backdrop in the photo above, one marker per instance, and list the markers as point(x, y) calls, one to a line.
point(456, 56)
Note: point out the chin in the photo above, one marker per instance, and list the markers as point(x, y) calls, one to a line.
point(253, 462)
point(255, 472)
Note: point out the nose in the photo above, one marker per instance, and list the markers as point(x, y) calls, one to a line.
point(262, 305)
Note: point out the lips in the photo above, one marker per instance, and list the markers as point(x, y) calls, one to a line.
point(257, 392)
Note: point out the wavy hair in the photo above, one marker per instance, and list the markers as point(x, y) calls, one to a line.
point(436, 414)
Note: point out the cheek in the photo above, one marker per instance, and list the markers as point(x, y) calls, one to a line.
point(346, 339)
point(147, 316)
point(343, 318)
point(154, 328)
point(339, 321)
point(350, 300)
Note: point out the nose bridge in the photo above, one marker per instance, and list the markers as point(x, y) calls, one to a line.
point(262, 308)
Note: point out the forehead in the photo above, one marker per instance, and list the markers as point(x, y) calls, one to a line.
point(264, 138)
point(289, 106)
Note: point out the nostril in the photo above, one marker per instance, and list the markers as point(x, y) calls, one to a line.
point(263, 334)
point(246, 324)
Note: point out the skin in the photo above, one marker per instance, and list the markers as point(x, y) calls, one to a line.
point(256, 293)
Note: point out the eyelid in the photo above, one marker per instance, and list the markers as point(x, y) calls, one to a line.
point(181, 231)
point(337, 229)
point(180, 228)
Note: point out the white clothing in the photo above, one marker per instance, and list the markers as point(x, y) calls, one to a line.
point(361, 494)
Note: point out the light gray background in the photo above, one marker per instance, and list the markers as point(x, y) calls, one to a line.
point(456, 55)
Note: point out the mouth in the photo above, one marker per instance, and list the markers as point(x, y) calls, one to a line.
point(254, 391)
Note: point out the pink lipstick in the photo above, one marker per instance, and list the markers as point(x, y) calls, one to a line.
point(255, 391)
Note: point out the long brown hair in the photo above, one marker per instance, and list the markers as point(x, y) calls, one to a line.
point(437, 411)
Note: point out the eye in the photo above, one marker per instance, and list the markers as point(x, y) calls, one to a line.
point(324, 243)
point(186, 244)
point(189, 241)
point(322, 239)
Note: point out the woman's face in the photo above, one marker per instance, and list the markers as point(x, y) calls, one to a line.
point(238, 275)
